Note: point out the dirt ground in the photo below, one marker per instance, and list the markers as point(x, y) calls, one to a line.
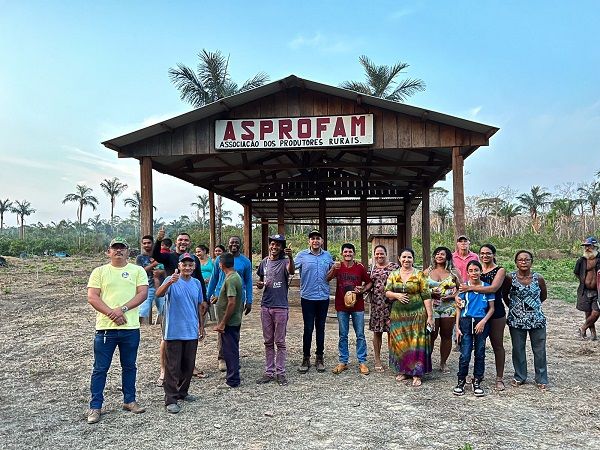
point(46, 358)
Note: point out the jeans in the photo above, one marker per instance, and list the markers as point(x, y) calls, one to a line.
point(105, 343)
point(537, 337)
point(274, 327)
point(467, 328)
point(230, 340)
point(358, 323)
point(146, 307)
point(180, 358)
point(314, 315)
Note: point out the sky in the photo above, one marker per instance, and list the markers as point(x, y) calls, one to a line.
point(74, 74)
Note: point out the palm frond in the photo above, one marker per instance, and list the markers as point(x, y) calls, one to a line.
point(189, 86)
point(258, 80)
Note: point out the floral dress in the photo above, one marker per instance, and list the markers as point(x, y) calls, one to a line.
point(444, 304)
point(408, 341)
point(380, 309)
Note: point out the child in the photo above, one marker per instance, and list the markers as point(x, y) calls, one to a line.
point(473, 311)
point(165, 245)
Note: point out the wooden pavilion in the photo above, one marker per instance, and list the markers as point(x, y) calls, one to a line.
point(296, 151)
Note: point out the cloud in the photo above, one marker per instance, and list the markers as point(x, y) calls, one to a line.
point(110, 130)
point(400, 13)
point(6, 160)
point(473, 112)
point(324, 43)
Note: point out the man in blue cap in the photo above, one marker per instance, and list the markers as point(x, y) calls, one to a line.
point(586, 268)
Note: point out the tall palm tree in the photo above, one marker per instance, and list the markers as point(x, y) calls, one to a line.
point(590, 194)
point(22, 209)
point(211, 81)
point(535, 201)
point(83, 197)
point(201, 205)
point(135, 203)
point(509, 211)
point(113, 188)
point(443, 212)
point(381, 82)
point(5, 206)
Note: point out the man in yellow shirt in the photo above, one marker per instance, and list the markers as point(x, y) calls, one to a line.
point(115, 290)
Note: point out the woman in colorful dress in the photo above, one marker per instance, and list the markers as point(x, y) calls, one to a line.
point(493, 275)
point(444, 281)
point(380, 308)
point(524, 291)
point(410, 317)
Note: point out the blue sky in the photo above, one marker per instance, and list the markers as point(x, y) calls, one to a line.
point(77, 73)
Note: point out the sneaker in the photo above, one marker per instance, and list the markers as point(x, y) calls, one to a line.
point(305, 365)
point(190, 398)
point(282, 380)
point(134, 407)
point(93, 416)
point(339, 368)
point(265, 379)
point(224, 386)
point(363, 369)
point(319, 364)
point(173, 408)
point(460, 388)
point(477, 389)
point(222, 366)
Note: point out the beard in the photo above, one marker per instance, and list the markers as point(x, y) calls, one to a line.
point(590, 254)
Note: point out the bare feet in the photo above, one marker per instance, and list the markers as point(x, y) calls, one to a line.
point(402, 377)
point(444, 368)
point(417, 382)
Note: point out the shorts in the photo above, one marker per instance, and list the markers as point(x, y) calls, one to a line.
point(146, 307)
point(446, 308)
point(588, 301)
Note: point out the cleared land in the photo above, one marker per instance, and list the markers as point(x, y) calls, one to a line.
point(46, 359)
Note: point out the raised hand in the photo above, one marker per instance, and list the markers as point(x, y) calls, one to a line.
point(175, 276)
point(288, 251)
point(161, 233)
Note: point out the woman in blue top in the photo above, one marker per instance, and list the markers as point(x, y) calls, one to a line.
point(524, 291)
point(206, 264)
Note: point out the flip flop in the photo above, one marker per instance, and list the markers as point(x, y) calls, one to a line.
point(160, 382)
point(581, 334)
point(379, 369)
point(500, 385)
point(417, 382)
point(402, 377)
point(200, 375)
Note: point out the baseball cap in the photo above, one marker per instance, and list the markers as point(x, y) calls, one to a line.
point(277, 238)
point(591, 240)
point(462, 237)
point(315, 233)
point(119, 240)
point(186, 257)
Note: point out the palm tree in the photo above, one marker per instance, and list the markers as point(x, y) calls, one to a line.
point(202, 205)
point(381, 81)
point(5, 206)
point(113, 188)
point(509, 211)
point(590, 194)
point(83, 197)
point(211, 81)
point(443, 212)
point(535, 201)
point(135, 203)
point(22, 209)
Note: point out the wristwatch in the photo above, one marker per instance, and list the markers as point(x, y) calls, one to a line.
point(124, 308)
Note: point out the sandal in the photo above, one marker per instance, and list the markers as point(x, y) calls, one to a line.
point(516, 383)
point(200, 374)
point(500, 384)
point(417, 382)
point(379, 369)
point(543, 387)
point(582, 334)
point(160, 382)
point(402, 377)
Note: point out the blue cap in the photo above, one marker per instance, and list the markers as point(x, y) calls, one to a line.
point(186, 256)
point(590, 241)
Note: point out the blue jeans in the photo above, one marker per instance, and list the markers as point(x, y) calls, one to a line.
point(105, 343)
point(358, 323)
point(537, 337)
point(146, 307)
point(467, 327)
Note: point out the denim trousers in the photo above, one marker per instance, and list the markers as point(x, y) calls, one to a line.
point(230, 341)
point(105, 343)
point(467, 328)
point(146, 307)
point(314, 315)
point(358, 323)
point(180, 358)
point(537, 337)
point(274, 327)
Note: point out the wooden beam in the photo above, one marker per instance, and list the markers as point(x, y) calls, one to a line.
point(323, 219)
point(364, 244)
point(146, 209)
point(264, 237)
point(458, 192)
point(407, 222)
point(211, 220)
point(280, 216)
point(248, 230)
point(425, 227)
point(401, 231)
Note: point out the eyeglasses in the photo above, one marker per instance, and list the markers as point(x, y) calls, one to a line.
point(524, 260)
point(485, 253)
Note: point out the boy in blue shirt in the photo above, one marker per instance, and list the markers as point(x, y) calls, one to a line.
point(473, 311)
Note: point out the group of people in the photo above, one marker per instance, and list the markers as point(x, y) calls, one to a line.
point(462, 294)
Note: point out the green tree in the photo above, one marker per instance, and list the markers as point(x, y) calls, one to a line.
point(113, 188)
point(443, 212)
point(211, 81)
point(535, 201)
point(509, 211)
point(202, 206)
point(381, 81)
point(5, 206)
point(83, 197)
point(590, 194)
point(22, 209)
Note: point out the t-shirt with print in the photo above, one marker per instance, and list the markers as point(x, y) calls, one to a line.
point(476, 304)
point(143, 261)
point(232, 287)
point(347, 279)
point(275, 275)
point(181, 309)
point(117, 286)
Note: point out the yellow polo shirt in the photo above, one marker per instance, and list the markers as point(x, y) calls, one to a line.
point(117, 286)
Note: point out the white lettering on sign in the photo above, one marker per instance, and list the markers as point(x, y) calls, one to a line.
point(294, 132)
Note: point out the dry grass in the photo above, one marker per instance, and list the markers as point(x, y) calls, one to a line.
point(46, 359)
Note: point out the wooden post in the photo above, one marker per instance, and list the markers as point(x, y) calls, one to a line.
point(364, 245)
point(248, 230)
point(323, 220)
point(401, 231)
point(458, 192)
point(146, 210)
point(407, 223)
point(211, 221)
point(264, 237)
point(280, 216)
point(425, 224)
